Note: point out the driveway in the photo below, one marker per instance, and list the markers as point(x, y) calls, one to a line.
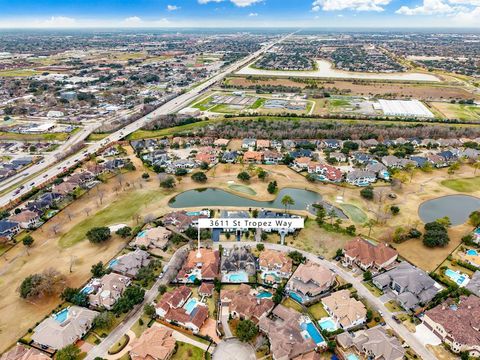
point(375, 302)
point(224, 319)
point(234, 349)
point(426, 336)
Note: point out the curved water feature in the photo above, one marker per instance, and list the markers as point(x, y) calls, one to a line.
point(456, 207)
point(217, 197)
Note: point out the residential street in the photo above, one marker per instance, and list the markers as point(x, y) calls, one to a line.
point(375, 302)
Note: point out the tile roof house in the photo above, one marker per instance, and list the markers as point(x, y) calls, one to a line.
point(206, 289)
point(272, 157)
point(26, 219)
point(263, 144)
point(221, 142)
point(411, 286)
point(181, 220)
point(173, 299)
point(275, 261)
point(373, 343)
point(346, 311)
point(458, 325)
point(204, 263)
point(367, 255)
point(302, 162)
point(21, 352)
point(203, 157)
point(325, 172)
point(311, 280)
point(285, 334)
point(57, 332)
point(152, 238)
point(155, 343)
point(170, 308)
point(129, 264)
point(238, 259)
point(65, 188)
point(361, 177)
point(107, 290)
point(253, 157)
point(474, 283)
point(241, 303)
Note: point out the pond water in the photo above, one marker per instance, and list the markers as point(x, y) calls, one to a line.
point(456, 207)
point(217, 197)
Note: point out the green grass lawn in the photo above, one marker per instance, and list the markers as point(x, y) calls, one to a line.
point(97, 137)
point(121, 210)
point(292, 304)
point(338, 102)
point(225, 109)
point(203, 105)
point(139, 329)
point(19, 73)
point(354, 213)
point(317, 311)
point(119, 345)
point(258, 103)
point(393, 306)
point(463, 185)
point(373, 289)
point(33, 137)
point(243, 189)
point(187, 351)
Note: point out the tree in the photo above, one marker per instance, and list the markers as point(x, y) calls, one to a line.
point(332, 215)
point(246, 330)
point(367, 276)
point(168, 183)
point(98, 235)
point(46, 283)
point(287, 201)
point(104, 320)
point(296, 257)
point(181, 172)
point(260, 247)
point(395, 210)
point(278, 296)
point(367, 193)
point(321, 214)
point(69, 352)
point(75, 296)
point(339, 253)
point(436, 235)
point(243, 176)
point(272, 187)
point(97, 270)
point(132, 296)
point(199, 177)
point(149, 310)
point(351, 230)
point(474, 218)
point(28, 242)
point(124, 232)
point(145, 176)
point(311, 178)
point(162, 289)
point(262, 175)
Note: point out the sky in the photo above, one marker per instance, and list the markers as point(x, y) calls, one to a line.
point(238, 13)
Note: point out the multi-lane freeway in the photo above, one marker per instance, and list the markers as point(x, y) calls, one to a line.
point(48, 170)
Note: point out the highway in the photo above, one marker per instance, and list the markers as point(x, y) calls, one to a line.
point(48, 170)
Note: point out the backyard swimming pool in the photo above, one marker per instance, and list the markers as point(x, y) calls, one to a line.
point(472, 252)
point(112, 263)
point(296, 297)
point(61, 316)
point(141, 234)
point(352, 357)
point(264, 295)
point(190, 305)
point(87, 290)
point(313, 332)
point(459, 278)
point(236, 277)
point(327, 324)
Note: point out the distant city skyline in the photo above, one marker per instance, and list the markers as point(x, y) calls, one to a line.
point(239, 13)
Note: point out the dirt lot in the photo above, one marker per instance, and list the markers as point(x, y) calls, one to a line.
point(365, 88)
point(458, 111)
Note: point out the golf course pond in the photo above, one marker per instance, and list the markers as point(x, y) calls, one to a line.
point(304, 199)
point(456, 207)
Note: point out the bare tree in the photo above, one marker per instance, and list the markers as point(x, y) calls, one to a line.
point(87, 210)
point(148, 218)
point(56, 228)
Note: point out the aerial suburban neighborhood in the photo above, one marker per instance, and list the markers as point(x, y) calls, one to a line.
point(239, 192)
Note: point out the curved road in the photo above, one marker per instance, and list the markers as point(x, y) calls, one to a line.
point(401, 330)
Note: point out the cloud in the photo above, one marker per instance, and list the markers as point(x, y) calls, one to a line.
point(356, 5)
point(60, 21)
point(239, 3)
point(173, 7)
point(469, 17)
point(132, 21)
point(253, 14)
point(437, 7)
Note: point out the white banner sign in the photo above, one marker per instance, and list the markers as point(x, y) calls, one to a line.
point(252, 223)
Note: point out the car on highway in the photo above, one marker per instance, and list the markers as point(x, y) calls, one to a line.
point(46, 175)
point(32, 183)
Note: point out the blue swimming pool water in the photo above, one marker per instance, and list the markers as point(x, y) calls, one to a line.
point(296, 297)
point(112, 263)
point(459, 279)
point(313, 332)
point(190, 305)
point(141, 233)
point(61, 316)
point(327, 324)
point(238, 277)
point(472, 252)
point(264, 295)
point(87, 290)
point(192, 278)
point(477, 231)
point(352, 357)
point(193, 213)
